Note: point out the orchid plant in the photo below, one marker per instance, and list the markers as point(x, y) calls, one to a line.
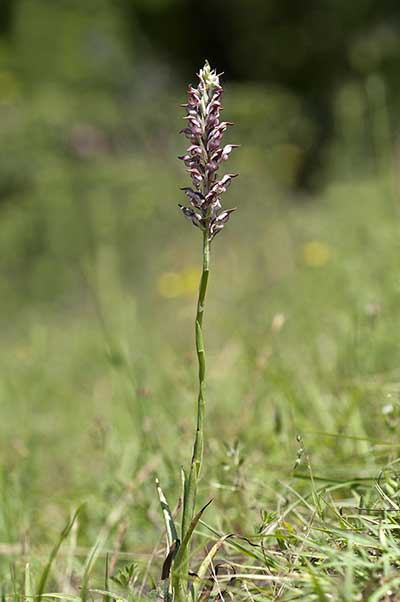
point(203, 158)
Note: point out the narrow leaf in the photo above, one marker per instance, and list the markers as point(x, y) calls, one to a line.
point(172, 534)
point(188, 535)
point(166, 568)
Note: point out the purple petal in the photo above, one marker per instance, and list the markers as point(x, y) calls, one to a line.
point(226, 151)
point(223, 217)
point(194, 217)
point(194, 149)
point(196, 198)
point(221, 186)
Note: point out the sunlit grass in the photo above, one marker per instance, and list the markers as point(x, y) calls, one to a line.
point(97, 396)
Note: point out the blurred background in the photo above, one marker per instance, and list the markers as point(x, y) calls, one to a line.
point(99, 271)
point(89, 117)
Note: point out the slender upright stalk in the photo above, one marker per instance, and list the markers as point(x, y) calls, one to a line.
point(198, 447)
point(190, 491)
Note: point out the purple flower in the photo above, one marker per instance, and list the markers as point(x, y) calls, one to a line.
point(205, 154)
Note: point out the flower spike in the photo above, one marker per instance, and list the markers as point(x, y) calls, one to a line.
point(205, 153)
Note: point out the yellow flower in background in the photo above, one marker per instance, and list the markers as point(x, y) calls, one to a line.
point(316, 253)
point(178, 284)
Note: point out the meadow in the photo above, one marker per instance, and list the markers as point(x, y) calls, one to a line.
point(98, 284)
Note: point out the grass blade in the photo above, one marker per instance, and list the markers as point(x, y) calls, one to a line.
point(28, 590)
point(46, 572)
point(107, 579)
point(111, 521)
point(206, 564)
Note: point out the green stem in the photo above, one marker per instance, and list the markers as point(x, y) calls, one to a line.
point(190, 493)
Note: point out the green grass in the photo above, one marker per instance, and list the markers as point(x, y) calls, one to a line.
point(98, 394)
